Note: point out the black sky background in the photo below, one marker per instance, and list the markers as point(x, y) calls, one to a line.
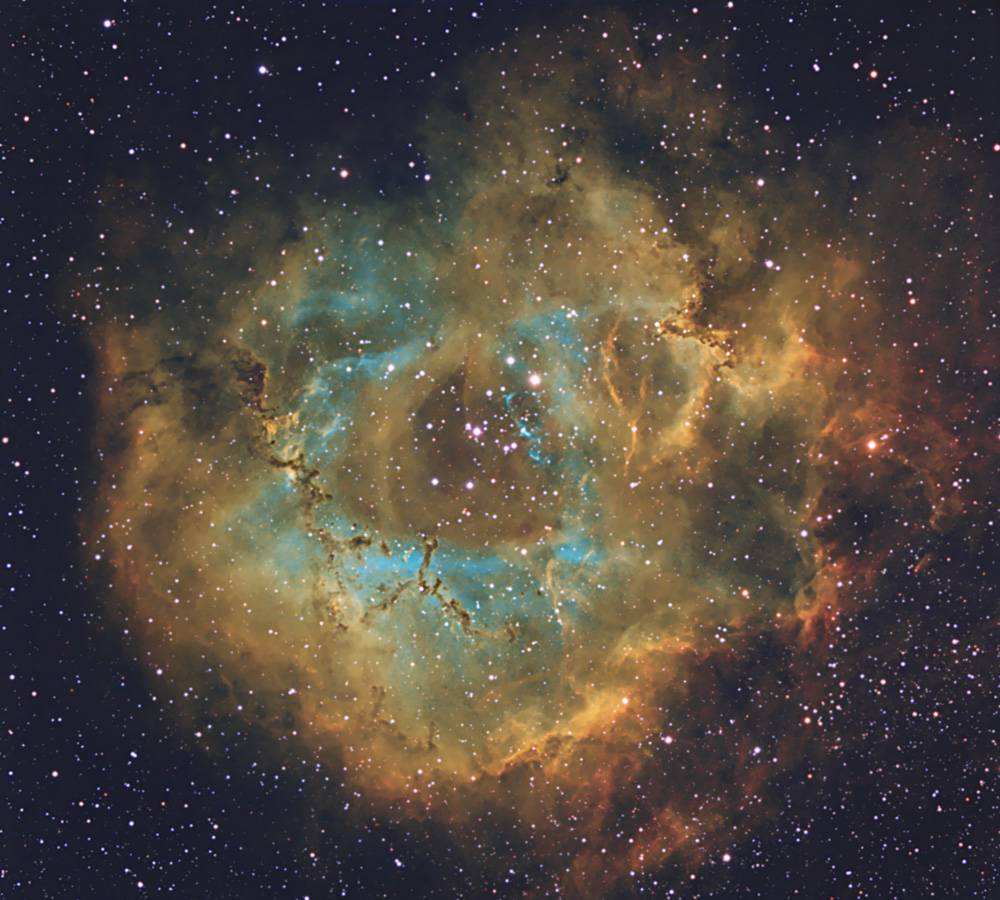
point(133, 801)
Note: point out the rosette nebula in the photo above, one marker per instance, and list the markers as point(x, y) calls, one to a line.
point(548, 489)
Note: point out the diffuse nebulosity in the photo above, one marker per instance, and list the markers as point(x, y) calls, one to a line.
point(539, 491)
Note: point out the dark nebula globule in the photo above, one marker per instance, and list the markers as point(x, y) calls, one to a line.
point(526, 451)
